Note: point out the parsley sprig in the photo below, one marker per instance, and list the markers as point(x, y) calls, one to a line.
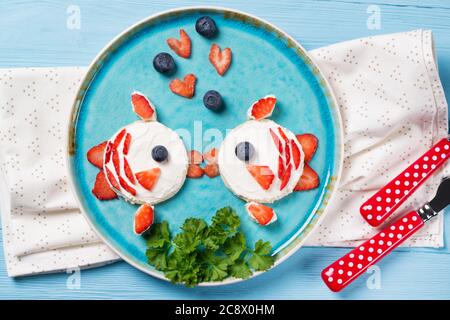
point(204, 252)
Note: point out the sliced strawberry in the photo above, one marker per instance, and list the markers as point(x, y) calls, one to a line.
point(211, 155)
point(119, 138)
point(280, 167)
point(108, 151)
point(262, 214)
point(126, 144)
point(212, 170)
point(185, 87)
point(95, 154)
point(128, 172)
point(195, 157)
point(148, 178)
point(181, 47)
point(277, 141)
point(220, 59)
point(116, 160)
point(287, 148)
point(126, 186)
point(112, 180)
point(143, 218)
point(309, 179)
point(309, 144)
point(283, 135)
point(194, 171)
point(262, 108)
point(142, 106)
point(287, 152)
point(286, 177)
point(262, 174)
point(296, 156)
point(102, 190)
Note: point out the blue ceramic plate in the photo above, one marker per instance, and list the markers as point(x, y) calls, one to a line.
point(265, 60)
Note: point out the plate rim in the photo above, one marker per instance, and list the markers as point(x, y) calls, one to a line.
point(330, 189)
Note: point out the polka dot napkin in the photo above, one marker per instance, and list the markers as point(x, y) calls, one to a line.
point(43, 230)
point(393, 109)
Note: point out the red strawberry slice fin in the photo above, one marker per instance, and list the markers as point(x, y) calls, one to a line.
point(126, 186)
point(185, 87)
point(280, 167)
point(262, 214)
point(286, 177)
point(194, 171)
point(108, 152)
point(96, 153)
point(116, 160)
point(102, 190)
point(309, 143)
point(262, 174)
point(126, 144)
point(296, 155)
point(263, 108)
point(277, 141)
point(220, 59)
point(112, 180)
point(211, 155)
point(195, 157)
point(118, 138)
point(128, 172)
point(143, 218)
point(212, 170)
point(181, 47)
point(309, 179)
point(142, 106)
point(148, 178)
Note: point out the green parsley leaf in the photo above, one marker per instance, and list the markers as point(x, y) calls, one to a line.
point(157, 257)
point(261, 260)
point(183, 268)
point(234, 246)
point(192, 234)
point(202, 252)
point(186, 242)
point(215, 268)
point(159, 235)
point(240, 269)
point(215, 236)
point(194, 226)
point(228, 219)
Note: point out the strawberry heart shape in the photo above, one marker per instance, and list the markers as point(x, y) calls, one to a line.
point(185, 87)
point(220, 59)
point(181, 47)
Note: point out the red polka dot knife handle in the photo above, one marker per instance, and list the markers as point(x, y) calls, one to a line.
point(348, 268)
point(383, 203)
point(339, 274)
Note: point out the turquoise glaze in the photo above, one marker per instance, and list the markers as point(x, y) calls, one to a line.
point(263, 63)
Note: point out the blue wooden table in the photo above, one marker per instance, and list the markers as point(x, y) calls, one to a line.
point(43, 33)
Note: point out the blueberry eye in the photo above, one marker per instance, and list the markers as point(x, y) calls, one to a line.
point(244, 151)
point(160, 154)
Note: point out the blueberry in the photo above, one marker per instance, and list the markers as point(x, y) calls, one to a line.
point(213, 100)
point(159, 153)
point(206, 27)
point(244, 151)
point(164, 63)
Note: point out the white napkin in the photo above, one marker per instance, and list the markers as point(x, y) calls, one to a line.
point(392, 104)
point(43, 230)
point(393, 109)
